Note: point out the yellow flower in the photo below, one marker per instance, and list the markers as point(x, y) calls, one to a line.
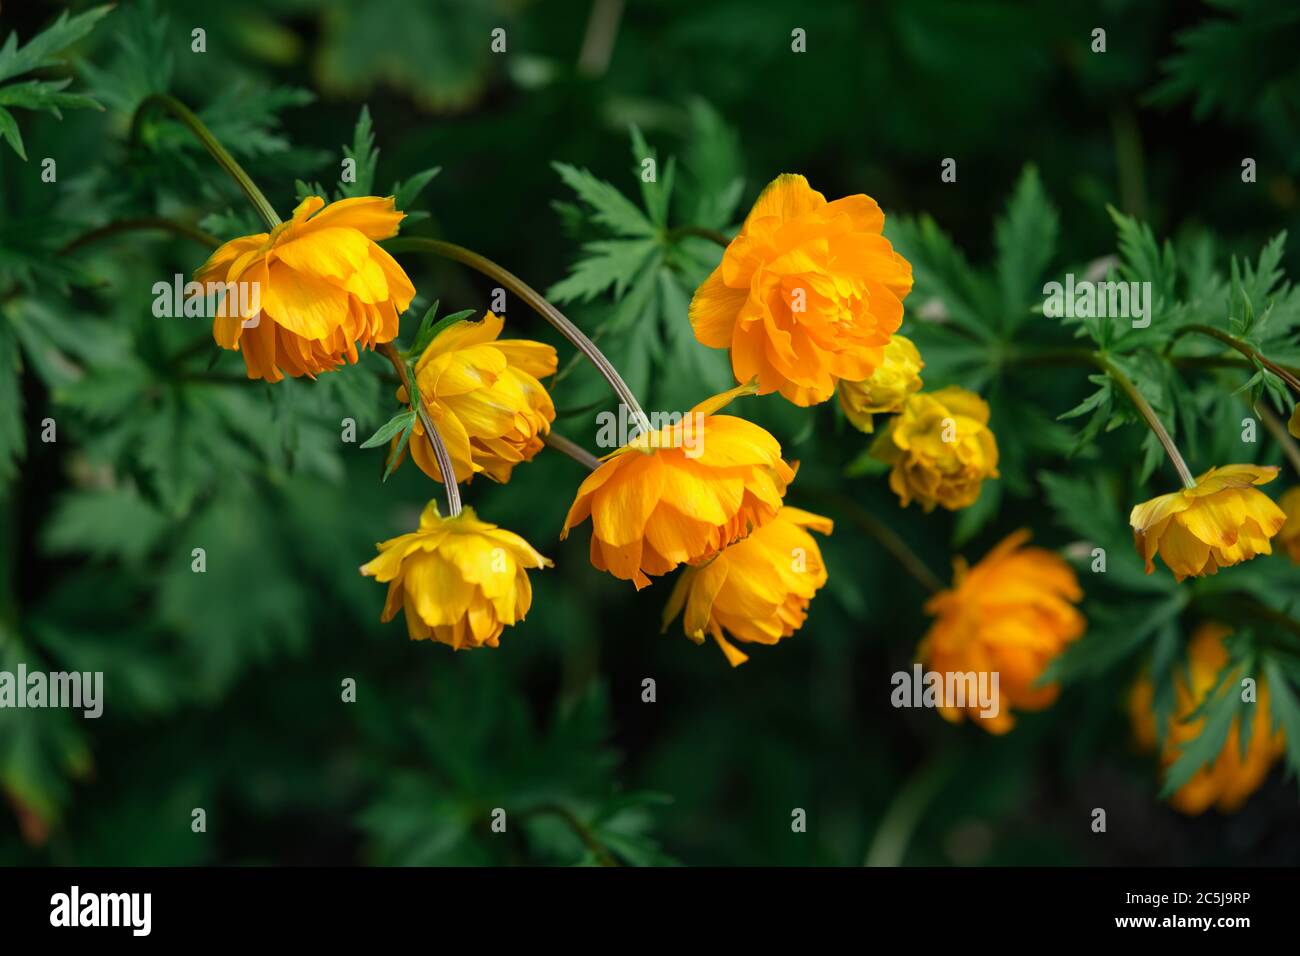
point(1289, 536)
point(808, 293)
point(682, 493)
point(1223, 521)
point(887, 388)
point(460, 580)
point(758, 589)
point(1009, 615)
point(324, 288)
point(484, 396)
point(1230, 778)
point(940, 447)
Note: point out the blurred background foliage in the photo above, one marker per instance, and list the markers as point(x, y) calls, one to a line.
point(223, 689)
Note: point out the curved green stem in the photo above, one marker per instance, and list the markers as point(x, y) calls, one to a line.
point(889, 845)
point(390, 352)
point(1245, 348)
point(538, 303)
point(1148, 413)
point(204, 135)
point(700, 232)
point(571, 448)
point(182, 229)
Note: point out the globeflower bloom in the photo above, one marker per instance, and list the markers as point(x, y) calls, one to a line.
point(1230, 778)
point(1010, 615)
point(1220, 522)
point(756, 590)
point(460, 581)
point(324, 287)
point(898, 376)
point(679, 494)
point(808, 292)
point(940, 448)
point(1289, 537)
point(484, 396)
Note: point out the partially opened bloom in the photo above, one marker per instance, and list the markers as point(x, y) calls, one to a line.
point(484, 396)
point(756, 590)
point(1009, 615)
point(1222, 521)
point(1231, 777)
point(940, 448)
point(1289, 537)
point(460, 581)
point(898, 376)
point(808, 292)
point(323, 286)
point(679, 494)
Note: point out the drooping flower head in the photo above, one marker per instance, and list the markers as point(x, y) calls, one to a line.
point(808, 292)
point(940, 448)
point(679, 494)
point(324, 288)
point(1009, 615)
point(1289, 537)
point(461, 581)
point(1231, 777)
point(898, 376)
point(756, 590)
point(484, 396)
point(1222, 521)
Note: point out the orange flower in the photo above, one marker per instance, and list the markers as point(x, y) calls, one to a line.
point(808, 293)
point(758, 589)
point(898, 376)
point(484, 396)
point(1226, 782)
point(1009, 615)
point(1222, 521)
point(461, 581)
point(941, 449)
point(324, 288)
point(680, 494)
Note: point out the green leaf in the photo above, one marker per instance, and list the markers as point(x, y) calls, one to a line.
point(400, 447)
point(9, 130)
point(1093, 401)
point(605, 263)
point(13, 438)
point(405, 192)
point(43, 49)
point(364, 156)
point(105, 523)
point(40, 52)
point(1026, 241)
point(943, 280)
point(403, 420)
point(609, 207)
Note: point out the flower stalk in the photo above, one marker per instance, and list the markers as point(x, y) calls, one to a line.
point(431, 433)
point(204, 135)
point(538, 303)
point(1149, 415)
point(566, 446)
